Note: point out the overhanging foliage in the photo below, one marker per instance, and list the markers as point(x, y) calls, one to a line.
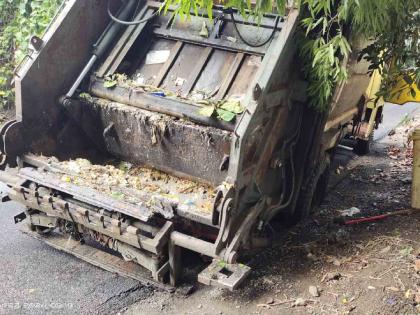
point(326, 25)
point(393, 26)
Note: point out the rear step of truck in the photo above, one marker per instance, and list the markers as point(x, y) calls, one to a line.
point(71, 213)
point(98, 258)
point(218, 273)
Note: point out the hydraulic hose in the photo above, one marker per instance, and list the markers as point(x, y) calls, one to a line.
point(280, 205)
point(254, 44)
point(101, 46)
point(120, 21)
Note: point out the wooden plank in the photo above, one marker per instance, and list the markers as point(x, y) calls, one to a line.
point(192, 80)
point(233, 71)
point(218, 43)
point(168, 64)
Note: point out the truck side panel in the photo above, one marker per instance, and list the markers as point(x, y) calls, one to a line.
point(66, 48)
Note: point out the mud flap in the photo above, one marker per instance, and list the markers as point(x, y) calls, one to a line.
point(224, 275)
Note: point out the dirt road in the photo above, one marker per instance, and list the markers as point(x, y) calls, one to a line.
point(363, 269)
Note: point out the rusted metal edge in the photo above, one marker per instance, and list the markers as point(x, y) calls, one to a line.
point(164, 105)
point(195, 216)
point(32, 160)
point(344, 117)
point(86, 194)
point(99, 259)
point(16, 180)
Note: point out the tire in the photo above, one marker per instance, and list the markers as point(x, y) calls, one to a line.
point(312, 194)
point(321, 187)
point(362, 147)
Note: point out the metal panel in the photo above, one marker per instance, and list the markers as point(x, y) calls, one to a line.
point(159, 104)
point(48, 75)
point(86, 194)
point(219, 43)
point(99, 258)
point(173, 146)
point(274, 66)
point(215, 71)
point(149, 72)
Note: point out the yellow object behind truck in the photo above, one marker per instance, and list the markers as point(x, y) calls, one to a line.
point(401, 93)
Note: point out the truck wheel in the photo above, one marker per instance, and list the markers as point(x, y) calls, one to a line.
point(321, 187)
point(362, 147)
point(311, 195)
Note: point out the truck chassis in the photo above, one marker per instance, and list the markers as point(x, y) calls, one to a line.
point(266, 164)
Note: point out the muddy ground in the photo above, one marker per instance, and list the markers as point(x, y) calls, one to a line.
point(325, 267)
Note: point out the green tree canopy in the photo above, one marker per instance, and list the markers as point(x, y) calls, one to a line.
point(19, 19)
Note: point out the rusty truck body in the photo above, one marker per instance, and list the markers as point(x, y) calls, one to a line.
point(118, 82)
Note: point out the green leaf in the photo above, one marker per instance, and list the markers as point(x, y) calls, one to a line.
point(225, 115)
point(331, 54)
point(406, 251)
point(117, 195)
point(207, 111)
point(281, 6)
point(233, 106)
point(110, 83)
point(124, 166)
point(204, 31)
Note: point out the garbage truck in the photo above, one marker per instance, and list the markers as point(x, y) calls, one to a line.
point(141, 136)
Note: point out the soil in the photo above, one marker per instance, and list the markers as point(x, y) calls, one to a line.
point(368, 268)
